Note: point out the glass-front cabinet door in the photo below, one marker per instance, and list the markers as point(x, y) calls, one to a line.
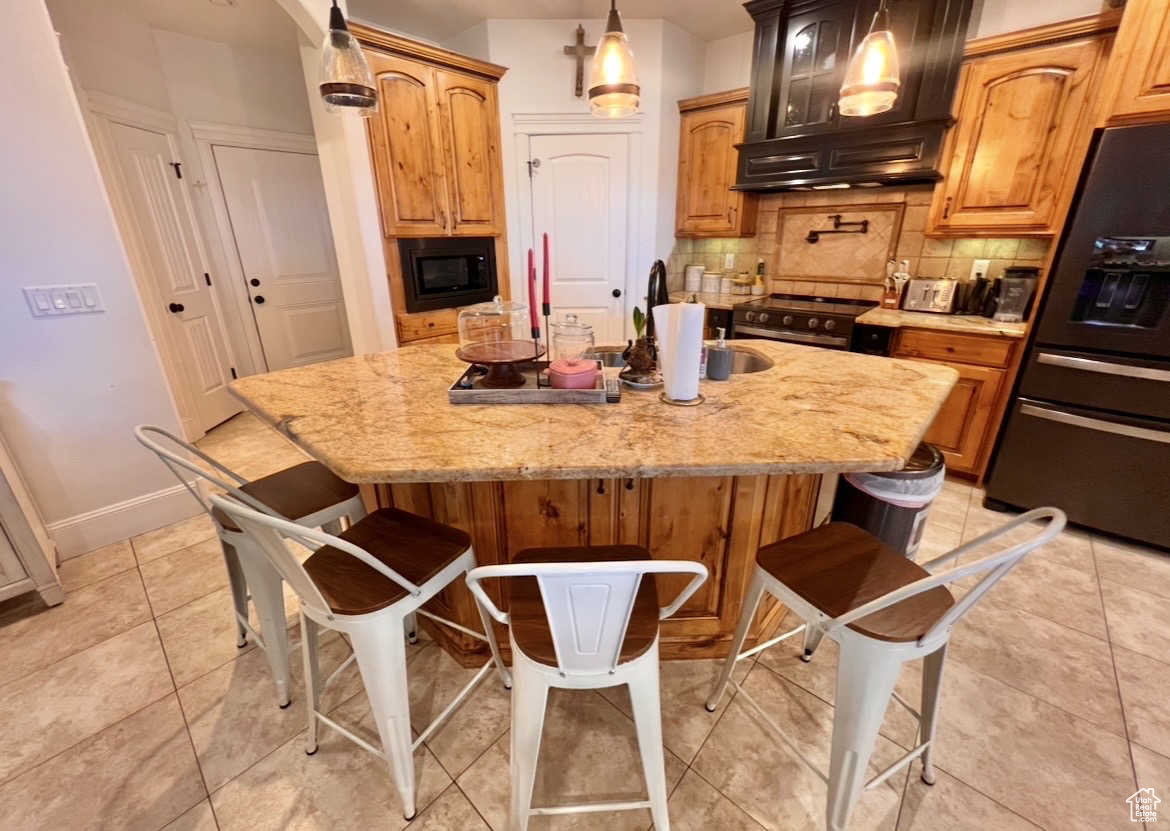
point(816, 50)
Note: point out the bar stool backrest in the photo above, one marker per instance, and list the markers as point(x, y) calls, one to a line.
point(994, 567)
point(269, 534)
point(588, 605)
point(166, 451)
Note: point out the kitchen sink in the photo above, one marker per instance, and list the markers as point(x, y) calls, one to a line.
point(746, 360)
point(749, 360)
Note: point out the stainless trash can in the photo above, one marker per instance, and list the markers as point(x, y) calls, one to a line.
point(893, 506)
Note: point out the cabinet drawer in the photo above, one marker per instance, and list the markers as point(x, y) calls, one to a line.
point(947, 346)
point(413, 327)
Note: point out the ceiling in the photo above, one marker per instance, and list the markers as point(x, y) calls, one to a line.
point(259, 24)
point(440, 19)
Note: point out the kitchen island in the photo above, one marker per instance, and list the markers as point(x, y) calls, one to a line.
point(710, 483)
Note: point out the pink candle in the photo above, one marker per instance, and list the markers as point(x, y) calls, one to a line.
point(547, 300)
point(532, 292)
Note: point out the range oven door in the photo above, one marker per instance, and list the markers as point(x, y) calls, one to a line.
point(743, 331)
point(1104, 470)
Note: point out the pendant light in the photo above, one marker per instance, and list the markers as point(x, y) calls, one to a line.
point(346, 82)
point(613, 79)
point(872, 78)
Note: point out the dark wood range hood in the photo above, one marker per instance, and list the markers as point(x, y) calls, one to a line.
point(795, 137)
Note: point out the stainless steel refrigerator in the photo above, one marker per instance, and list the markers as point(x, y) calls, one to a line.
point(1088, 428)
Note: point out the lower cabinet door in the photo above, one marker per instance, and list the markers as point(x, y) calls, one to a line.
point(959, 430)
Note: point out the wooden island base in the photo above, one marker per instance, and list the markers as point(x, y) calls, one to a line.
point(718, 520)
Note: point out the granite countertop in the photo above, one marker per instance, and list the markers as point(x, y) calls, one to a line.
point(386, 418)
point(974, 324)
point(713, 301)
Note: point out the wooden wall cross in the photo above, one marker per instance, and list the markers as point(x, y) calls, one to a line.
point(580, 51)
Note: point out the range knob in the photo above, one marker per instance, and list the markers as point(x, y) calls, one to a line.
point(750, 317)
point(787, 320)
point(830, 324)
point(763, 317)
point(812, 323)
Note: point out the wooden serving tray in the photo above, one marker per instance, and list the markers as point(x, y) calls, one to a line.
point(470, 390)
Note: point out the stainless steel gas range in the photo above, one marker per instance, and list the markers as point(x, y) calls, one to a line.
point(818, 321)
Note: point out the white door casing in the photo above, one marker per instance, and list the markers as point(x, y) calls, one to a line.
point(158, 205)
point(580, 198)
point(279, 222)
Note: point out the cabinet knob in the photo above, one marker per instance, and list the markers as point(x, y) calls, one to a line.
point(947, 207)
point(617, 292)
point(258, 299)
point(175, 308)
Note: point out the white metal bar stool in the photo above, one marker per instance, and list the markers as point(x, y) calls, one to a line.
point(367, 584)
point(583, 619)
point(309, 493)
point(883, 609)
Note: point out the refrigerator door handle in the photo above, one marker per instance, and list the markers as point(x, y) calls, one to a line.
point(1104, 367)
point(1097, 424)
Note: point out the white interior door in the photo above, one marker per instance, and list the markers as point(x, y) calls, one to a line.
point(580, 198)
point(165, 228)
point(276, 204)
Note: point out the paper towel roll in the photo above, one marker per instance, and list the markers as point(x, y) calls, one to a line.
point(678, 328)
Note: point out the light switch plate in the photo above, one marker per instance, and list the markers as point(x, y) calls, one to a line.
point(66, 299)
point(728, 262)
point(979, 268)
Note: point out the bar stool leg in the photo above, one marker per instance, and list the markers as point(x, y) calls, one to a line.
point(411, 624)
point(490, 634)
point(239, 587)
point(932, 673)
point(751, 603)
point(866, 675)
point(381, 658)
point(812, 639)
point(647, 707)
point(268, 596)
point(529, 697)
point(310, 642)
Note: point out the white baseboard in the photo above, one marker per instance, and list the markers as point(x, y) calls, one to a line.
point(78, 534)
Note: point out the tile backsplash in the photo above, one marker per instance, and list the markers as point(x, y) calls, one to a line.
point(850, 265)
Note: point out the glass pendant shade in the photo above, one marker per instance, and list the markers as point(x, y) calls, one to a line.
point(872, 77)
point(613, 78)
point(346, 82)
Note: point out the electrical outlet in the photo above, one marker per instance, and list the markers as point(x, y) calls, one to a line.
point(728, 262)
point(71, 299)
point(979, 268)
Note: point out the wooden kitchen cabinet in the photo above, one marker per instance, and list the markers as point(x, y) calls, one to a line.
point(1137, 86)
point(961, 430)
point(469, 121)
point(718, 520)
point(710, 128)
point(434, 140)
point(406, 148)
point(1024, 120)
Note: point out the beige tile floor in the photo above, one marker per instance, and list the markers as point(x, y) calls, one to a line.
point(130, 707)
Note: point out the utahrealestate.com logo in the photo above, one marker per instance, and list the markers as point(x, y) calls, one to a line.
point(1143, 806)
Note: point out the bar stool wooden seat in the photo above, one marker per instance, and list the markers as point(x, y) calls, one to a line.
point(583, 618)
point(883, 610)
point(367, 583)
point(309, 493)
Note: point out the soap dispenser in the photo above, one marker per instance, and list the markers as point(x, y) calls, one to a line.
point(720, 358)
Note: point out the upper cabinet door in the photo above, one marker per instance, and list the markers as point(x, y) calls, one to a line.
point(1013, 158)
point(816, 49)
point(406, 150)
point(468, 113)
point(1138, 86)
point(707, 160)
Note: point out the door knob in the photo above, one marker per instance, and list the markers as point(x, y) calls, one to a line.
point(258, 299)
point(617, 292)
point(255, 281)
point(175, 308)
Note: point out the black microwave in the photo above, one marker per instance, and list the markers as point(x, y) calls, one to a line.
point(442, 272)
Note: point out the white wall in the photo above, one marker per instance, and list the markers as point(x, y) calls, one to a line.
point(728, 63)
point(540, 81)
point(998, 16)
point(73, 387)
